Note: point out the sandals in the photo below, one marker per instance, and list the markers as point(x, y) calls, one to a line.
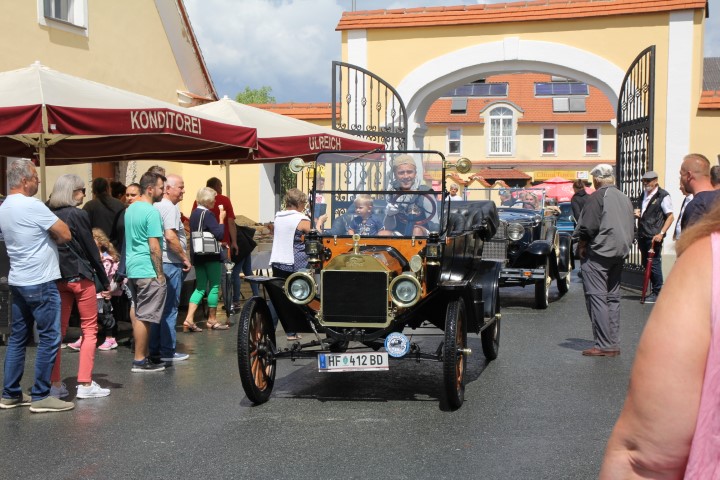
point(217, 326)
point(191, 327)
point(294, 337)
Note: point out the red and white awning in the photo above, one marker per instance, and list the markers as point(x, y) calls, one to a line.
point(66, 119)
point(282, 138)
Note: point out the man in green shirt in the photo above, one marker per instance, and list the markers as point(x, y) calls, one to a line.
point(143, 254)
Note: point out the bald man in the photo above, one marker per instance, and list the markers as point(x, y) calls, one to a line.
point(695, 179)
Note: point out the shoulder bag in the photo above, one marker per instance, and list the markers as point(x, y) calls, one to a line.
point(204, 243)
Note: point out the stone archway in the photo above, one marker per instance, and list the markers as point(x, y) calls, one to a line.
point(422, 86)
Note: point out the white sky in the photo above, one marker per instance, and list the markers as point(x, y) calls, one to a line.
point(289, 44)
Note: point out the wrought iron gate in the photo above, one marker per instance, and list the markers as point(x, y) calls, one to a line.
point(367, 106)
point(634, 152)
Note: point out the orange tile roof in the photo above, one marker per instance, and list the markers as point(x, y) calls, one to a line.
point(302, 111)
point(507, 12)
point(710, 100)
point(521, 92)
point(502, 173)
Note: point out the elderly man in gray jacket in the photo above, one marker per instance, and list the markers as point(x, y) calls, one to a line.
point(604, 234)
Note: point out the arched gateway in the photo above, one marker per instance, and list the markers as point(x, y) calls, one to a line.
point(425, 52)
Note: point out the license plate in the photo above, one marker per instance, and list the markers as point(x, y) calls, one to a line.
point(352, 362)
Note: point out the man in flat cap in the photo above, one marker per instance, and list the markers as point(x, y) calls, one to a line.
point(654, 219)
point(604, 234)
point(410, 214)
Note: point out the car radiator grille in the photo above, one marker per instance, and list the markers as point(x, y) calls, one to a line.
point(354, 297)
point(496, 247)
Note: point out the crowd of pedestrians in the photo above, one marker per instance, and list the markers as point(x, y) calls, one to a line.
point(668, 427)
point(124, 253)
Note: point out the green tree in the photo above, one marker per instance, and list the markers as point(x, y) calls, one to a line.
point(255, 95)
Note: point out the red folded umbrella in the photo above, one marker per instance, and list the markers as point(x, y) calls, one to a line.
point(648, 268)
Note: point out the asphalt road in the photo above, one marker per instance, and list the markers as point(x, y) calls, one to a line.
point(540, 410)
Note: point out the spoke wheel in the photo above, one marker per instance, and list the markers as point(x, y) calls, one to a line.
point(542, 289)
point(454, 361)
point(490, 337)
point(256, 344)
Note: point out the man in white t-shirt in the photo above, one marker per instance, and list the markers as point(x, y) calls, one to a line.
point(175, 264)
point(31, 233)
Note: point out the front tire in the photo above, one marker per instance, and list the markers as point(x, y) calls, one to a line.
point(454, 358)
point(256, 347)
point(542, 289)
point(490, 337)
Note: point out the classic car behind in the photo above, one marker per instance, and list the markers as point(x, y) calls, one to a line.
point(529, 244)
point(359, 293)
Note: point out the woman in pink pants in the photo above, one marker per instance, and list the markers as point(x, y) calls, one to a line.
point(79, 260)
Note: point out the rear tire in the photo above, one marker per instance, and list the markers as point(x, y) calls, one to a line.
point(542, 289)
point(453, 361)
point(256, 346)
point(563, 284)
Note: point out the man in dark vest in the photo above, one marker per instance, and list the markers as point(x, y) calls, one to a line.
point(655, 216)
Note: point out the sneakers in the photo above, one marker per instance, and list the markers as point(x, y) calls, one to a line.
point(146, 366)
point(21, 401)
point(93, 391)
point(75, 345)
point(652, 298)
point(177, 357)
point(50, 404)
point(59, 392)
point(108, 344)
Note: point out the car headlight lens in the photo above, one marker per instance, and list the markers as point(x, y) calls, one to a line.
point(515, 231)
point(405, 290)
point(300, 288)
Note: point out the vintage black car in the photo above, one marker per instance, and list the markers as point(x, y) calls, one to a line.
point(528, 243)
point(411, 261)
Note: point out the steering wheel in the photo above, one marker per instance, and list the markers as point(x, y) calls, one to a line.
point(411, 208)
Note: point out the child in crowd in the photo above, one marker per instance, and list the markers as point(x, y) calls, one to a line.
point(110, 259)
point(363, 222)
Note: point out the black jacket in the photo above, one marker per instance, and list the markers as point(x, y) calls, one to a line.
point(653, 218)
point(577, 202)
point(83, 243)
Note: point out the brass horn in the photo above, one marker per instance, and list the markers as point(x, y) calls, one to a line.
point(297, 164)
point(463, 165)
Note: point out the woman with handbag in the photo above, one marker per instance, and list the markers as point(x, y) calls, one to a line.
point(205, 233)
point(81, 270)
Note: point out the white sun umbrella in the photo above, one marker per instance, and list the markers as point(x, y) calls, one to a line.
point(63, 119)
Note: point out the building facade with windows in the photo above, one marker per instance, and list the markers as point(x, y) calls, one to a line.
point(543, 125)
point(144, 46)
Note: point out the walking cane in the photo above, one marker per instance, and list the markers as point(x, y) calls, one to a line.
point(648, 268)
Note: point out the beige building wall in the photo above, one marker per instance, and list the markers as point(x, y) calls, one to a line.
point(127, 47)
point(617, 39)
point(243, 189)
